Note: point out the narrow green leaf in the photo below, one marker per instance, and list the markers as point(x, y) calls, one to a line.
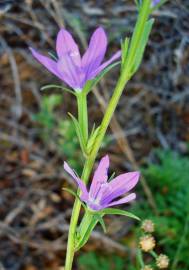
point(53, 56)
point(85, 229)
point(92, 139)
point(101, 221)
point(125, 47)
point(141, 46)
point(115, 211)
point(49, 86)
point(90, 84)
point(79, 133)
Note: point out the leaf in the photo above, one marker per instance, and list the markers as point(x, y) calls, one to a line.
point(114, 211)
point(54, 57)
point(101, 221)
point(125, 47)
point(92, 139)
point(49, 86)
point(85, 229)
point(91, 83)
point(141, 46)
point(79, 133)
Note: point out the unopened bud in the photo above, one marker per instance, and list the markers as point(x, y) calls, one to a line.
point(147, 267)
point(147, 243)
point(148, 226)
point(162, 261)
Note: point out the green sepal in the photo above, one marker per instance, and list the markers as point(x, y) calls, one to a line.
point(141, 47)
point(115, 211)
point(111, 177)
point(91, 83)
point(76, 196)
point(101, 221)
point(49, 86)
point(79, 133)
point(54, 57)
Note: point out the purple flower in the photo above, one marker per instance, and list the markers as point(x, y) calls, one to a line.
point(155, 2)
point(102, 194)
point(70, 67)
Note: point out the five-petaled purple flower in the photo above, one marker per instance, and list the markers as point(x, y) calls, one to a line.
point(70, 67)
point(102, 194)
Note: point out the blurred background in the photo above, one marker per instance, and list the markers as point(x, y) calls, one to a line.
point(149, 132)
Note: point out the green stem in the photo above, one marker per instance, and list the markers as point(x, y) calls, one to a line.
point(82, 114)
point(140, 258)
point(153, 253)
point(125, 76)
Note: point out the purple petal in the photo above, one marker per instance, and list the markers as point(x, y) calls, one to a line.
point(100, 177)
point(78, 181)
point(104, 65)
point(50, 64)
point(126, 199)
point(95, 52)
point(155, 2)
point(74, 74)
point(65, 44)
point(119, 186)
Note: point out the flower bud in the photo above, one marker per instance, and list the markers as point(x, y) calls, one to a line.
point(147, 267)
point(147, 243)
point(147, 226)
point(162, 261)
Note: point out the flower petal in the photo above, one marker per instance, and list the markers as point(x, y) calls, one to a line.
point(65, 44)
point(104, 65)
point(125, 199)
point(74, 74)
point(78, 181)
point(95, 52)
point(50, 64)
point(118, 186)
point(100, 177)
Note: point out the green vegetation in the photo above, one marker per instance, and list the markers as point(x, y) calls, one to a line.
point(94, 261)
point(169, 182)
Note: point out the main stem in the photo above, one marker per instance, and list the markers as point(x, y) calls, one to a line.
point(89, 163)
point(82, 114)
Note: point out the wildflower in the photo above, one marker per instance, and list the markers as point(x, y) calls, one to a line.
point(147, 243)
point(148, 226)
point(70, 67)
point(155, 2)
point(147, 267)
point(102, 194)
point(162, 261)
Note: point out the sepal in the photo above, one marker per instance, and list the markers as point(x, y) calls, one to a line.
point(91, 83)
point(49, 86)
point(115, 211)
